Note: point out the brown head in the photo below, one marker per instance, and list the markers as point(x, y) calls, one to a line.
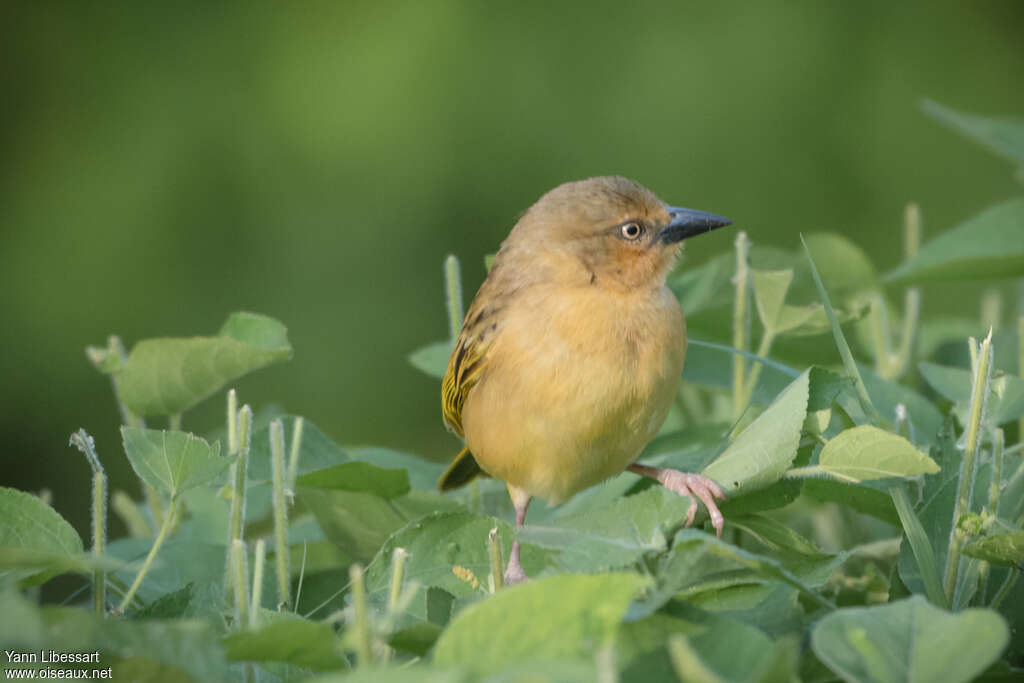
point(607, 231)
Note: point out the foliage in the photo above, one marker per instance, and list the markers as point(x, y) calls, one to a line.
point(872, 521)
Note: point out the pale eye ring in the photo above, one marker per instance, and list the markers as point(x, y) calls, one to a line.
point(631, 230)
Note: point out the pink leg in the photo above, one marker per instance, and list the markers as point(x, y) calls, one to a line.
point(514, 571)
point(695, 486)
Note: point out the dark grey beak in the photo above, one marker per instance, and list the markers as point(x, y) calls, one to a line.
point(686, 223)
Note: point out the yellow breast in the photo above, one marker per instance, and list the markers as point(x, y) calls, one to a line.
point(577, 383)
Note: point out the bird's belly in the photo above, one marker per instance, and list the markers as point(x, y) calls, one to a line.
point(577, 404)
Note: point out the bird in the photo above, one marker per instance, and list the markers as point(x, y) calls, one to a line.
point(572, 350)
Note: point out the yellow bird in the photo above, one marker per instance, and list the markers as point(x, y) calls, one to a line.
point(572, 351)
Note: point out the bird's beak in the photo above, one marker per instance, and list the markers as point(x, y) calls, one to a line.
point(686, 223)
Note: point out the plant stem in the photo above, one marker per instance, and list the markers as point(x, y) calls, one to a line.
point(293, 454)
point(740, 319)
point(979, 395)
point(259, 561)
point(912, 295)
point(240, 582)
point(160, 538)
point(124, 506)
point(361, 618)
point(755, 372)
point(83, 442)
point(397, 575)
point(281, 559)
point(174, 422)
point(497, 564)
point(242, 421)
point(232, 422)
point(849, 364)
point(453, 298)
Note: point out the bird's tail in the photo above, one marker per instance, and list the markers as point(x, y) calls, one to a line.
point(463, 470)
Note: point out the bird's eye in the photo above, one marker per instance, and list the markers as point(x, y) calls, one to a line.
point(631, 231)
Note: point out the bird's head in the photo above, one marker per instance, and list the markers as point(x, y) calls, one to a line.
point(611, 230)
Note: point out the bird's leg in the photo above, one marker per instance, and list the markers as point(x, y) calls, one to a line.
point(696, 486)
point(520, 500)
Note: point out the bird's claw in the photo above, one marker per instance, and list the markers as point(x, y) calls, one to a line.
point(696, 487)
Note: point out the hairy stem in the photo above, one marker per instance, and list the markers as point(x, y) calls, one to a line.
point(740, 322)
point(979, 394)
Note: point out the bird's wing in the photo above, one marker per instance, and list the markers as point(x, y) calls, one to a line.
point(465, 367)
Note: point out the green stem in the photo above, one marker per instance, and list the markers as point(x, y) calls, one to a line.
point(849, 364)
point(979, 395)
point(174, 422)
point(912, 295)
point(83, 442)
point(755, 372)
point(160, 538)
point(293, 454)
point(397, 575)
point(362, 619)
point(453, 298)
point(281, 559)
point(239, 482)
point(740, 328)
point(232, 422)
point(497, 564)
point(128, 511)
point(259, 561)
point(240, 583)
point(878, 323)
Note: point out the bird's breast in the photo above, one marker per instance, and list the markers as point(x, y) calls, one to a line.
point(577, 383)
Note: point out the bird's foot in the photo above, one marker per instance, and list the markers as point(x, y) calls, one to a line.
point(695, 486)
point(514, 571)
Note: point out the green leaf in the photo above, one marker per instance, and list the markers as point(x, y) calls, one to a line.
point(34, 536)
point(843, 265)
point(886, 395)
point(1005, 550)
point(432, 359)
point(770, 287)
point(824, 387)
point(859, 497)
point(699, 562)
point(170, 375)
point(548, 618)
point(985, 247)
point(172, 462)
point(713, 656)
point(867, 452)
point(762, 452)
point(436, 544)
point(358, 476)
point(297, 641)
point(1003, 135)
point(910, 640)
point(613, 535)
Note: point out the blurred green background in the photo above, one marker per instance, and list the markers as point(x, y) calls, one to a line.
point(164, 165)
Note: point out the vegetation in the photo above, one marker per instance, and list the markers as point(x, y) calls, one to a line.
point(873, 523)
